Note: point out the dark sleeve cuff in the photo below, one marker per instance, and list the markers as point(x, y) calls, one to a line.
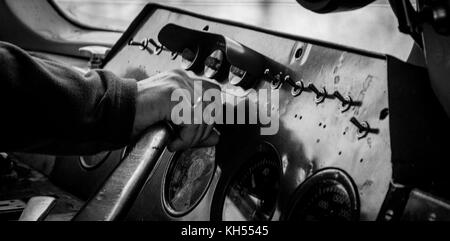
point(120, 119)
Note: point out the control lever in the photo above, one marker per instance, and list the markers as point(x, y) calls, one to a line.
point(297, 87)
point(118, 193)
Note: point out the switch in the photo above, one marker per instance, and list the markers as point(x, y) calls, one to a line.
point(346, 102)
point(158, 48)
point(320, 95)
point(274, 79)
point(142, 45)
point(363, 128)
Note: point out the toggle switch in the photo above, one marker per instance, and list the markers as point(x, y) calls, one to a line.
point(297, 87)
point(363, 128)
point(320, 95)
point(142, 45)
point(275, 79)
point(346, 102)
point(158, 48)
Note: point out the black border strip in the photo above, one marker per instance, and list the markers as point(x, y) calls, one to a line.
point(153, 6)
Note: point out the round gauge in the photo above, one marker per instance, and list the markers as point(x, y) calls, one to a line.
point(189, 57)
point(213, 63)
point(187, 179)
point(253, 191)
point(94, 161)
point(328, 195)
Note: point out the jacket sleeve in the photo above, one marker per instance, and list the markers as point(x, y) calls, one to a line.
point(50, 108)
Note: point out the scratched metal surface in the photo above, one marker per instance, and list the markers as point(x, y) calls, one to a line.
point(311, 136)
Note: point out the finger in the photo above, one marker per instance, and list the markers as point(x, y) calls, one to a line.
point(185, 138)
point(212, 140)
point(207, 132)
point(177, 145)
point(198, 136)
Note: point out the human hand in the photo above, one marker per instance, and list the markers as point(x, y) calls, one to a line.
point(153, 104)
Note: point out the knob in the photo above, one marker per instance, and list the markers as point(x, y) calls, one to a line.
point(297, 87)
point(96, 55)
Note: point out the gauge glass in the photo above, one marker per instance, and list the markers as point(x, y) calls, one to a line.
point(329, 195)
point(188, 178)
point(236, 76)
point(253, 194)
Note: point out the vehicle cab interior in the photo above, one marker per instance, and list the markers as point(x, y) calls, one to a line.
point(359, 91)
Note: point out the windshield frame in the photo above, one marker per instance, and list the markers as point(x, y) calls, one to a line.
point(77, 22)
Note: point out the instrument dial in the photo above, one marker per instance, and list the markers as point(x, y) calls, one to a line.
point(252, 194)
point(329, 195)
point(187, 179)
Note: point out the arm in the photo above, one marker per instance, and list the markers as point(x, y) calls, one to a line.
point(50, 108)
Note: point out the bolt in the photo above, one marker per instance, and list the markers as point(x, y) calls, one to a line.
point(152, 42)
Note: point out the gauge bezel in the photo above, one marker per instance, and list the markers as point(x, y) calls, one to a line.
point(216, 73)
point(164, 197)
point(246, 161)
point(194, 62)
point(330, 173)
